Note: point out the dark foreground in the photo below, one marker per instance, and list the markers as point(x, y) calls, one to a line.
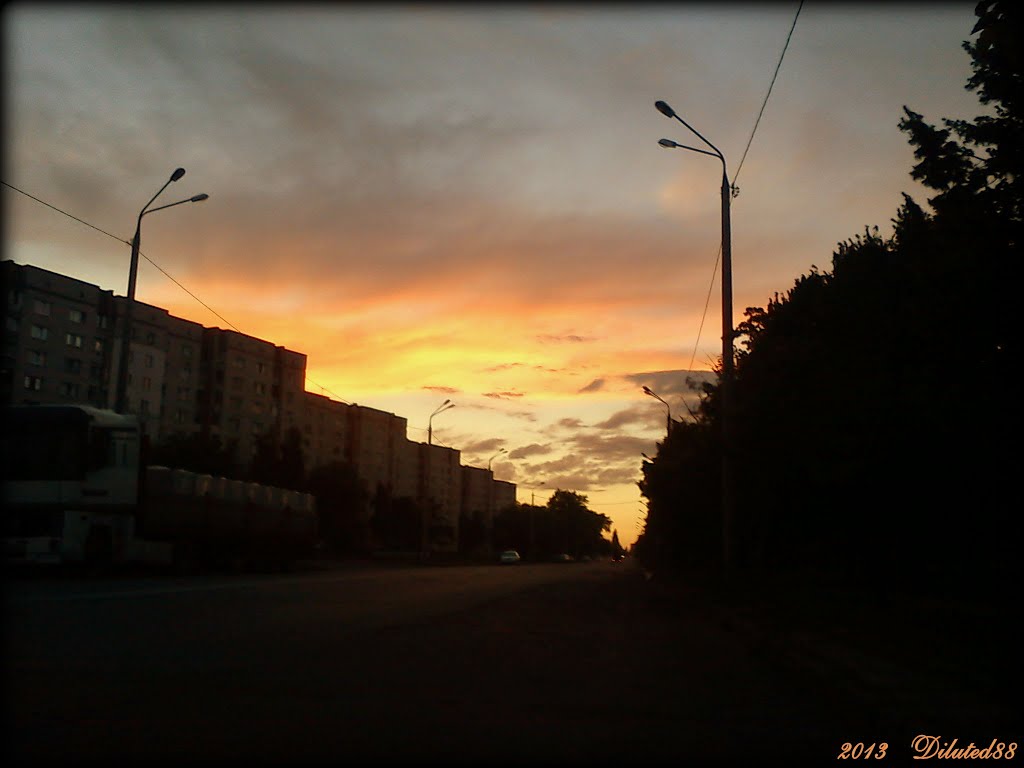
point(602, 668)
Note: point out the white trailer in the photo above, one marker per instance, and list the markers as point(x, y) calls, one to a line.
point(76, 489)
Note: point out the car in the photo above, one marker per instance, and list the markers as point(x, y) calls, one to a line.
point(509, 557)
point(617, 558)
point(563, 558)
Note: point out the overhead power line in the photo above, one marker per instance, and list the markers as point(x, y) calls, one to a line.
point(757, 122)
point(162, 270)
point(770, 86)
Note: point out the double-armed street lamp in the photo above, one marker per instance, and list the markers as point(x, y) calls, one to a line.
point(494, 457)
point(668, 415)
point(727, 331)
point(133, 269)
point(446, 405)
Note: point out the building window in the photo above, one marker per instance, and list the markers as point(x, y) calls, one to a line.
point(41, 307)
point(236, 382)
point(143, 406)
point(33, 383)
point(186, 351)
point(12, 324)
point(97, 346)
point(71, 365)
point(260, 388)
point(76, 316)
point(35, 357)
point(14, 298)
point(149, 361)
point(147, 383)
point(73, 340)
point(103, 321)
point(69, 389)
point(239, 363)
point(261, 367)
point(179, 416)
point(150, 338)
point(40, 333)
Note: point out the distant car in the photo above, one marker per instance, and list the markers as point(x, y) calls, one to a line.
point(509, 557)
point(617, 558)
point(563, 558)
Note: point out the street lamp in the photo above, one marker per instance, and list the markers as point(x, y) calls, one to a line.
point(668, 417)
point(727, 333)
point(120, 404)
point(446, 405)
point(494, 457)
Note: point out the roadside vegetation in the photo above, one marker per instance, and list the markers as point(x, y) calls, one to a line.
point(875, 404)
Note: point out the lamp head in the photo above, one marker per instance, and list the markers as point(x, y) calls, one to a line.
point(178, 173)
point(665, 109)
point(647, 391)
point(199, 198)
point(667, 143)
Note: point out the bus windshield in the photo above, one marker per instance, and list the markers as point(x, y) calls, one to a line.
point(44, 445)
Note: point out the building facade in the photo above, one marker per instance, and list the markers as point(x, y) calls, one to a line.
point(61, 344)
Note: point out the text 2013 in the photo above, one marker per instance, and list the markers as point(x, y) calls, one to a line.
point(861, 751)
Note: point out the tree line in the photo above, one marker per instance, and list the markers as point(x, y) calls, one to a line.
point(874, 410)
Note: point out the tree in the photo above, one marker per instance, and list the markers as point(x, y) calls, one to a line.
point(341, 497)
point(279, 463)
point(862, 452)
point(195, 452)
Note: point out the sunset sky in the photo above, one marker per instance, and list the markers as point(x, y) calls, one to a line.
point(469, 201)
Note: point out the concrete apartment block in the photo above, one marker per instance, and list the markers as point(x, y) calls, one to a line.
point(477, 498)
point(441, 489)
point(58, 335)
point(504, 495)
point(324, 424)
point(407, 470)
point(246, 385)
point(61, 344)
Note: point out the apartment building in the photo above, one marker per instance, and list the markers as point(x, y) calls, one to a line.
point(477, 484)
point(441, 489)
point(62, 344)
point(504, 495)
point(375, 437)
point(58, 334)
point(324, 425)
point(182, 384)
point(241, 394)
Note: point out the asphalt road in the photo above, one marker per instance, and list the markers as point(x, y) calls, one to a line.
point(538, 664)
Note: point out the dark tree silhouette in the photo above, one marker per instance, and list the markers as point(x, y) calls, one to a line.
point(874, 404)
point(341, 499)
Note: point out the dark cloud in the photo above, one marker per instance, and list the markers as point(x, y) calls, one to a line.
point(443, 390)
point(570, 423)
point(534, 449)
point(502, 395)
point(482, 446)
point(546, 338)
point(642, 416)
point(594, 386)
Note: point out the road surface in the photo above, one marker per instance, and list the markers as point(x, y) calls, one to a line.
point(555, 663)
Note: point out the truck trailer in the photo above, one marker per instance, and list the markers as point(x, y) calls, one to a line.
point(77, 489)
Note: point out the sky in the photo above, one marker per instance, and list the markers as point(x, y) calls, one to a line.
point(468, 202)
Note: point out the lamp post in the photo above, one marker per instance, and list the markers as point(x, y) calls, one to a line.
point(425, 536)
point(446, 405)
point(494, 457)
point(727, 333)
point(120, 404)
point(668, 416)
